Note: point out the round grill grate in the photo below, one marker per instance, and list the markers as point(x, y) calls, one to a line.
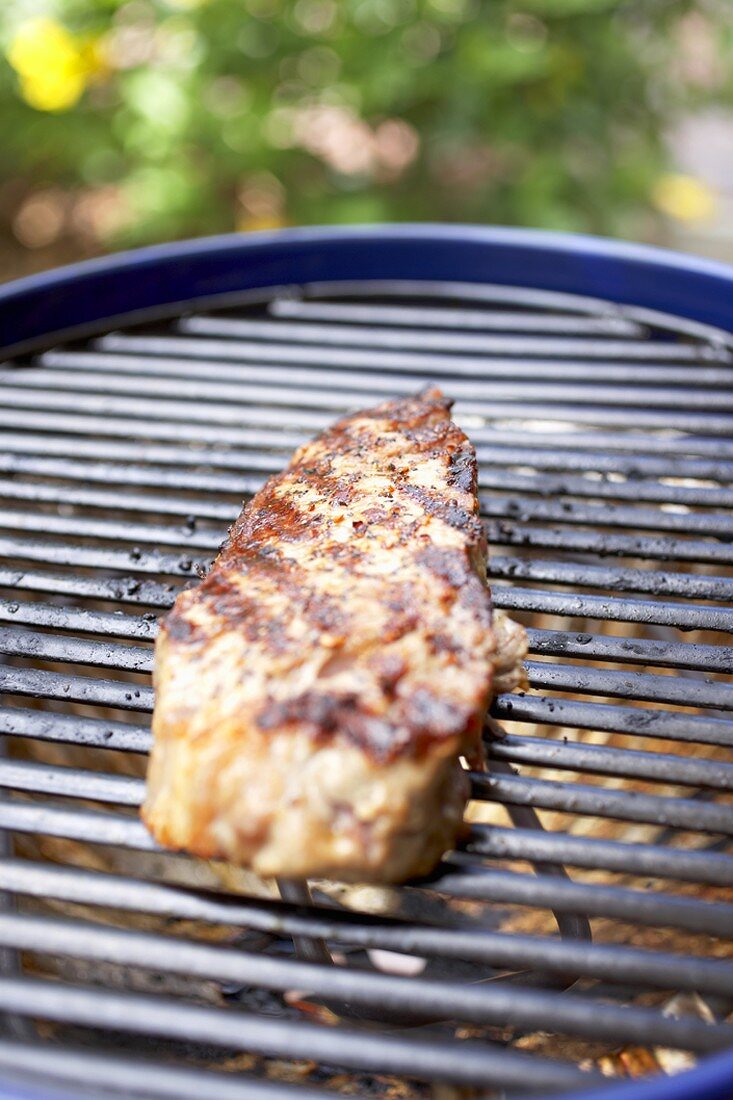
point(584, 929)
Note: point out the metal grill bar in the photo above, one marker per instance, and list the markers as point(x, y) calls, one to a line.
point(288, 303)
point(681, 616)
point(103, 426)
point(653, 582)
point(472, 399)
point(631, 906)
point(74, 730)
point(140, 408)
point(379, 336)
point(110, 530)
point(521, 296)
point(323, 335)
point(606, 447)
point(639, 859)
point(176, 424)
point(133, 561)
point(605, 647)
point(445, 317)
point(633, 490)
point(110, 624)
point(611, 452)
point(624, 763)
point(432, 1060)
point(500, 533)
point(576, 678)
point(287, 363)
point(595, 452)
point(677, 813)
point(275, 405)
point(41, 684)
point(546, 642)
point(643, 860)
point(72, 446)
point(42, 493)
point(122, 790)
point(119, 590)
point(499, 949)
point(469, 881)
point(85, 825)
point(566, 755)
point(568, 573)
point(636, 490)
point(23, 643)
point(38, 683)
point(141, 1077)
point(155, 477)
point(635, 721)
point(630, 685)
point(479, 1004)
point(608, 515)
point(632, 546)
point(133, 590)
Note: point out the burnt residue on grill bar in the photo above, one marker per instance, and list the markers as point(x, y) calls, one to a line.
point(606, 473)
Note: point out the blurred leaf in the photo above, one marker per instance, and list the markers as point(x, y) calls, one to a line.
point(158, 98)
point(170, 118)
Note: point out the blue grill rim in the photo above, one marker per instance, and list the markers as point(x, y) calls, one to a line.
point(161, 281)
point(156, 281)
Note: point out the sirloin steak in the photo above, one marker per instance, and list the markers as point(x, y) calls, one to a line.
point(314, 695)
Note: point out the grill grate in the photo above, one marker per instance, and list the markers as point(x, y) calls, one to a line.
point(602, 433)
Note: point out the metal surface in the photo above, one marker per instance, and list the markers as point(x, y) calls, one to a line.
point(607, 484)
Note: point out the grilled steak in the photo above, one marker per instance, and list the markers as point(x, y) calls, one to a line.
point(315, 692)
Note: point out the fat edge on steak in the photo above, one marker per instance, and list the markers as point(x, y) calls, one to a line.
point(315, 693)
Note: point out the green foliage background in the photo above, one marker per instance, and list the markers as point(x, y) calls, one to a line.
point(534, 112)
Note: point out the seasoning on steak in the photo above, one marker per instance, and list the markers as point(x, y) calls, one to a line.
point(314, 695)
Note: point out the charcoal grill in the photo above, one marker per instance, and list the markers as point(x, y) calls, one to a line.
point(143, 396)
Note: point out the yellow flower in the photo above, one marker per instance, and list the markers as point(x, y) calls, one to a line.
point(684, 198)
point(53, 65)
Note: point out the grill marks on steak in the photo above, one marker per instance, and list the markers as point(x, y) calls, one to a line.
point(282, 540)
point(348, 612)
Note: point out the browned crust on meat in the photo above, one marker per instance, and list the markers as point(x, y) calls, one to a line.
point(315, 693)
point(264, 544)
